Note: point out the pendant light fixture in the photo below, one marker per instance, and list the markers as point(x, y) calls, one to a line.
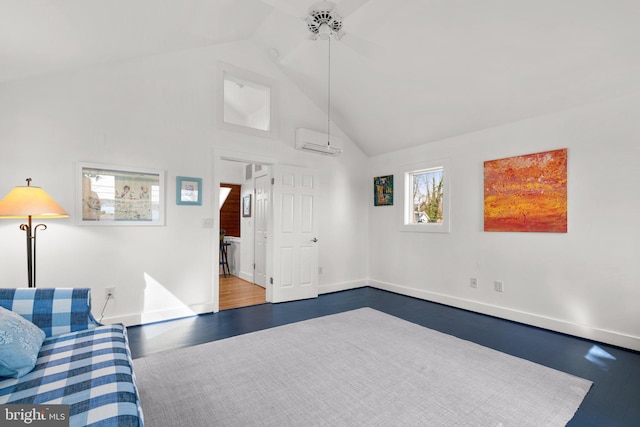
point(325, 22)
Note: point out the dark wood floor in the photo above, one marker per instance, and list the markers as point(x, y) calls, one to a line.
point(614, 399)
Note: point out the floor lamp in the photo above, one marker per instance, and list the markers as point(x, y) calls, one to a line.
point(30, 202)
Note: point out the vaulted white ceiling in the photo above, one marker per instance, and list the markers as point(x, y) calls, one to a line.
point(407, 72)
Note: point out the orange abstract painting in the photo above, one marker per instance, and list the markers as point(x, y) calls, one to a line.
point(526, 193)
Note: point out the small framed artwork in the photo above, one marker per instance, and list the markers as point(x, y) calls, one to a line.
point(115, 195)
point(188, 191)
point(383, 190)
point(246, 205)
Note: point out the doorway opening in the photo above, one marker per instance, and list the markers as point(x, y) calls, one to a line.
point(242, 253)
point(281, 251)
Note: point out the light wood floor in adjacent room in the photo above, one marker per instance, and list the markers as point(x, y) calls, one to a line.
point(235, 292)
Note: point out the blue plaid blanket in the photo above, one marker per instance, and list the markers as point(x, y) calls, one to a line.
point(54, 310)
point(89, 369)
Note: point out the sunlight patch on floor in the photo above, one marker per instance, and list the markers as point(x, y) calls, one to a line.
point(599, 357)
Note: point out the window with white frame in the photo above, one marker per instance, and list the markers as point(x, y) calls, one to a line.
point(426, 197)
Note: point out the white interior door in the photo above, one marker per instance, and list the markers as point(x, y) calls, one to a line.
point(261, 211)
point(294, 266)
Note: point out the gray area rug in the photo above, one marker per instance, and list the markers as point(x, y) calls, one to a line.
point(358, 368)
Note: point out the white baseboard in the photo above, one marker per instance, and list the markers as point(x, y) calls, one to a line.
point(180, 312)
point(558, 325)
point(159, 316)
point(342, 286)
point(246, 276)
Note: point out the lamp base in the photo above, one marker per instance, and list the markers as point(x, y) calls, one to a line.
point(30, 231)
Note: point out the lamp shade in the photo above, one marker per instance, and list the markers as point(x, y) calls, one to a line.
point(25, 201)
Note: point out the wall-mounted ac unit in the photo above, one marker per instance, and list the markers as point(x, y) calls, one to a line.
point(317, 142)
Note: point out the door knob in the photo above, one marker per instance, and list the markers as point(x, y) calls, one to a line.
point(314, 240)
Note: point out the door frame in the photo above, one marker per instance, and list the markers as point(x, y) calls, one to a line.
point(220, 155)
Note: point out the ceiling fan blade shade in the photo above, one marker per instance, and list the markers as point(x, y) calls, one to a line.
point(288, 57)
point(347, 7)
point(363, 47)
point(286, 7)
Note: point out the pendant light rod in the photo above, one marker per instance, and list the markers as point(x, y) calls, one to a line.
point(329, 97)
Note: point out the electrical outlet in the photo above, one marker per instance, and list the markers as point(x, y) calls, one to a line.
point(473, 282)
point(110, 292)
point(499, 286)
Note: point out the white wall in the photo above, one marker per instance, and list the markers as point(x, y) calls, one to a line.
point(158, 112)
point(584, 282)
point(155, 112)
point(232, 172)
